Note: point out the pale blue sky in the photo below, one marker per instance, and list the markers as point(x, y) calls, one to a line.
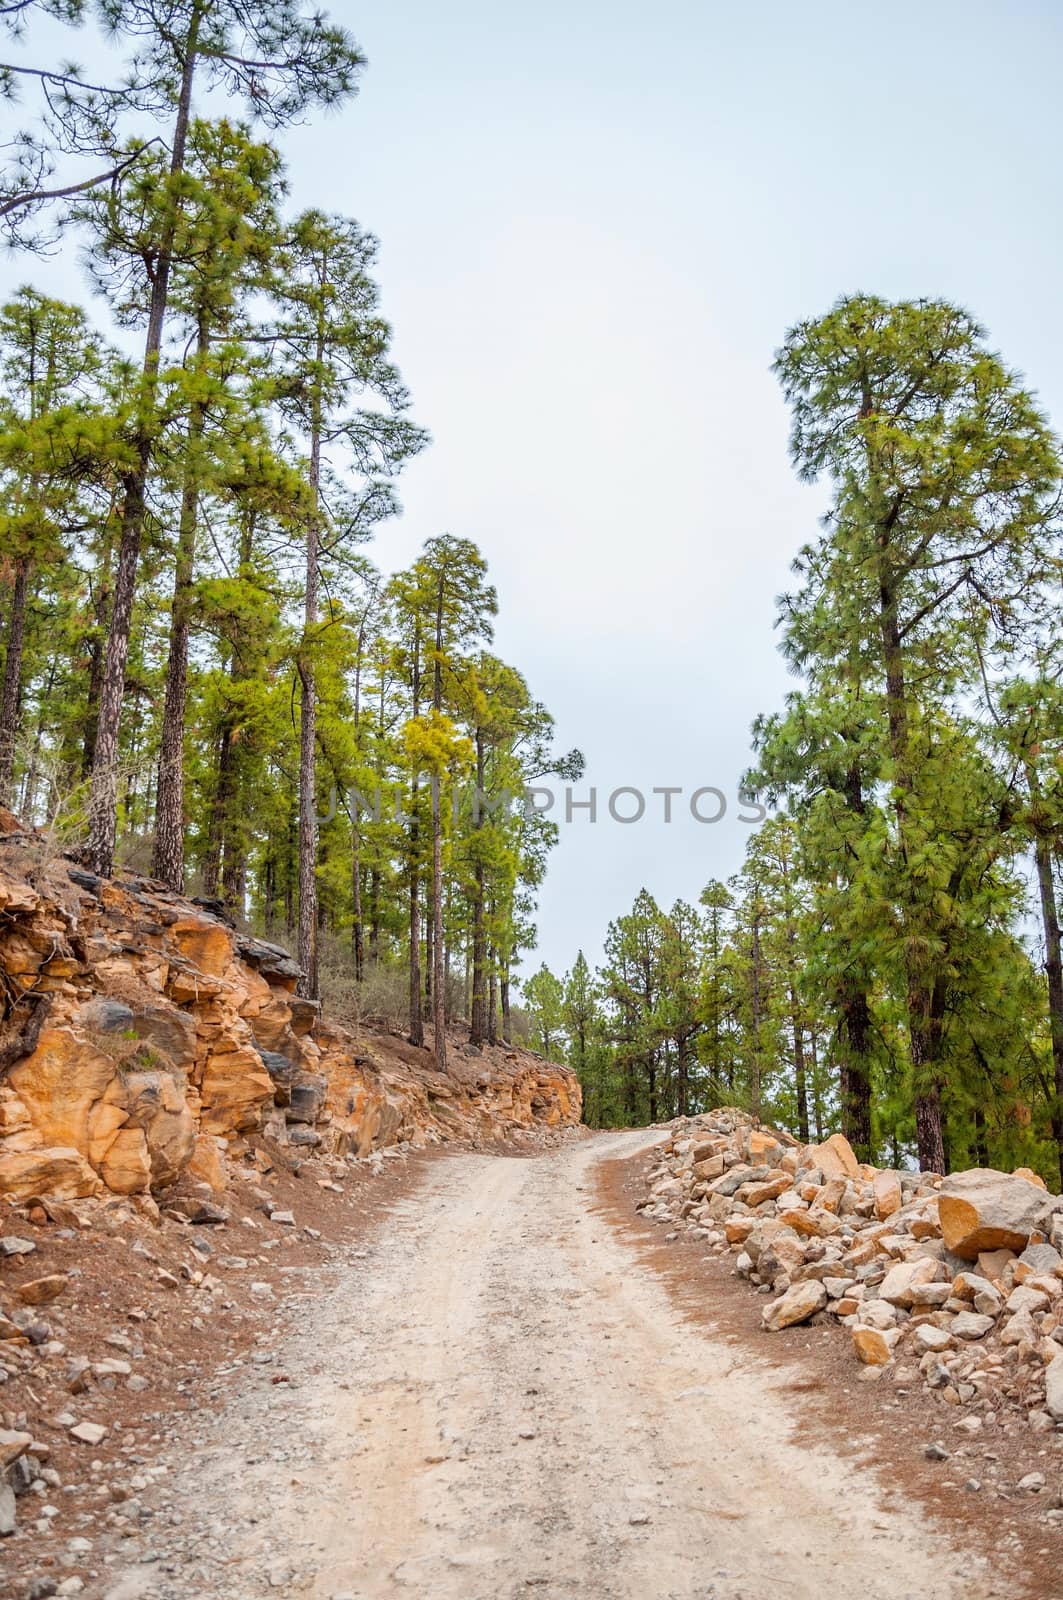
point(596, 223)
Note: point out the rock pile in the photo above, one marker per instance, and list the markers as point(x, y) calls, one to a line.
point(956, 1280)
point(145, 1038)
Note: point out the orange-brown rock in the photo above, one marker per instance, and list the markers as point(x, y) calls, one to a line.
point(60, 1084)
point(875, 1346)
point(235, 1089)
point(835, 1157)
point(208, 1163)
point(169, 1030)
point(985, 1210)
point(61, 1173)
point(126, 1167)
point(887, 1191)
point(39, 1291)
point(203, 942)
point(156, 1105)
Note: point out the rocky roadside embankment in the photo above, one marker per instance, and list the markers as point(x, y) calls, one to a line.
point(955, 1283)
point(180, 1134)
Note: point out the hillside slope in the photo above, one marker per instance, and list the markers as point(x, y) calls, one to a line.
point(145, 1039)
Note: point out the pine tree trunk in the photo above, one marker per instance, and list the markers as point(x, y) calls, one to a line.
point(923, 1035)
point(357, 922)
point(799, 1069)
point(1053, 965)
point(755, 1075)
point(11, 693)
point(438, 984)
point(682, 1077)
point(308, 939)
point(97, 650)
point(429, 933)
point(817, 1097)
point(478, 1023)
point(219, 813)
point(374, 915)
point(416, 1012)
point(492, 1003)
point(168, 856)
point(103, 811)
point(507, 1014)
point(854, 1086)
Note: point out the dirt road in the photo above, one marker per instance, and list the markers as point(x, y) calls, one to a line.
point(506, 1403)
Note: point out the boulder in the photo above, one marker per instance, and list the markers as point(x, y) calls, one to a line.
point(970, 1325)
point(60, 1083)
point(984, 1210)
point(875, 1346)
point(126, 1166)
point(307, 1097)
point(203, 942)
point(235, 1089)
point(835, 1157)
point(899, 1282)
point(755, 1194)
point(207, 1163)
point(801, 1301)
point(886, 1187)
point(13, 1444)
point(1054, 1387)
point(39, 1291)
point(156, 1105)
point(55, 1171)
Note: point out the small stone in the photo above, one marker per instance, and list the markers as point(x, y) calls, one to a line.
point(39, 1291)
point(88, 1432)
point(285, 1218)
point(12, 1445)
point(936, 1452)
point(970, 1325)
point(927, 1337)
point(874, 1346)
point(8, 1512)
point(1033, 1483)
point(110, 1367)
point(801, 1301)
point(12, 1245)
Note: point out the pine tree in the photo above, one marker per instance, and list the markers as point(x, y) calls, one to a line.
point(943, 473)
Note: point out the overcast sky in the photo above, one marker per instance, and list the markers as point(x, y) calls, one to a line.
point(597, 222)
